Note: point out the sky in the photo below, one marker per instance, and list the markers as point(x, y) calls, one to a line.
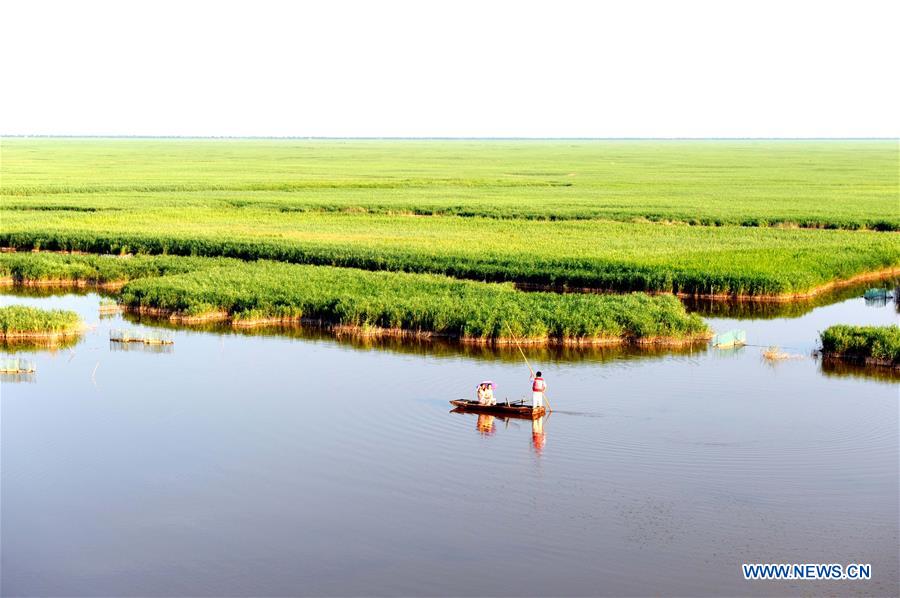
point(636, 68)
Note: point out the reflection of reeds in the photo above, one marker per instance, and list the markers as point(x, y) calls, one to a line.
point(18, 378)
point(16, 365)
point(21, 345)
point(434, 347)
point(845, 369)
point(717, 308)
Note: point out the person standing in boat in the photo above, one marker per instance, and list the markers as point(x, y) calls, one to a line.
point(538, 386)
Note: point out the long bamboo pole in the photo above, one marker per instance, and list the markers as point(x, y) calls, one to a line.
point(516, 340)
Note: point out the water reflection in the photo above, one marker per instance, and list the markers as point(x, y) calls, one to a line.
point(486, 426)
point(435, 347)
point(53, 290)
point(749, 309)
point(30, 378)
point(763, 310)
point(838, 368)
point(538, 436)
point(879, 297)
point(13, 346)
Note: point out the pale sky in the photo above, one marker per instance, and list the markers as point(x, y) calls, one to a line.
point(459, 69)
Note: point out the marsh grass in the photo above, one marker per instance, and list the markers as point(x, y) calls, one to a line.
point(870, 344)
point(19, 321)
point(261, 291)
point(385, 302)
point(612, 215)
point(827, 184)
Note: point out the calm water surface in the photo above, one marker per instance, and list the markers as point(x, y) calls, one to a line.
point(268, 465)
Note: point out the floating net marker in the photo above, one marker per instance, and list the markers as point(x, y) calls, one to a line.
point(879, 297)
point(147, 337)
point(15, 365)
point(142, 347)
point(877, 294)
point(732, 338)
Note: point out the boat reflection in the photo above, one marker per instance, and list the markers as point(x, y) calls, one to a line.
point(538, 436)
point(486, 425)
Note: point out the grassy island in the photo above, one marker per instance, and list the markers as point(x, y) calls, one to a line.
point(31, 323)
point(389, 303)
point(874, 345)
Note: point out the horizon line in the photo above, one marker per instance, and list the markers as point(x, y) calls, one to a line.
point(435, 138)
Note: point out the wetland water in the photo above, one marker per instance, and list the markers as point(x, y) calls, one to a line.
point(238, 464)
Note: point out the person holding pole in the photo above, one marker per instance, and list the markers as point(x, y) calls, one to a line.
point(538, 386)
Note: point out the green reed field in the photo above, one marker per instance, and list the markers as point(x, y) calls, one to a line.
point(697, 217)
point(412, 303)
point(600, 254)
point(832, 184)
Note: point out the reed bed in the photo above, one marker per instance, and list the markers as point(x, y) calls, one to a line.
point(879, 345)
point(720, 261)
point(410, 304)
point(23, 322)
point(31, 268)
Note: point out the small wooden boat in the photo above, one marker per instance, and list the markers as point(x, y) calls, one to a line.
point(504, 408)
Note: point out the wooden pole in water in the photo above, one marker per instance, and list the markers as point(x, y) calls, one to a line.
point(516, 340)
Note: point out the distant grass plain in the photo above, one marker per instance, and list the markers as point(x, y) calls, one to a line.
point(822, 184)
point(754, 219)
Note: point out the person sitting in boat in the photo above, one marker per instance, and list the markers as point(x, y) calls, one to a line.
point(485, 393)
point(479, 394)
point(538, 386)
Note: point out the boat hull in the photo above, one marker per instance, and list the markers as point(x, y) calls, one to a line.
point(504, 409)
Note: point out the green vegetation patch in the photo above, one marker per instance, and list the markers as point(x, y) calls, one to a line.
point(34, 268)
point(880, 344)
point(819, 184)
point(254, 291)
point(411, 302)
point(596, 214)
point(595, 254)
point(23, 322)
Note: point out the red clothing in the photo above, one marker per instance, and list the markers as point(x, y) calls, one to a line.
point(538, 385)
